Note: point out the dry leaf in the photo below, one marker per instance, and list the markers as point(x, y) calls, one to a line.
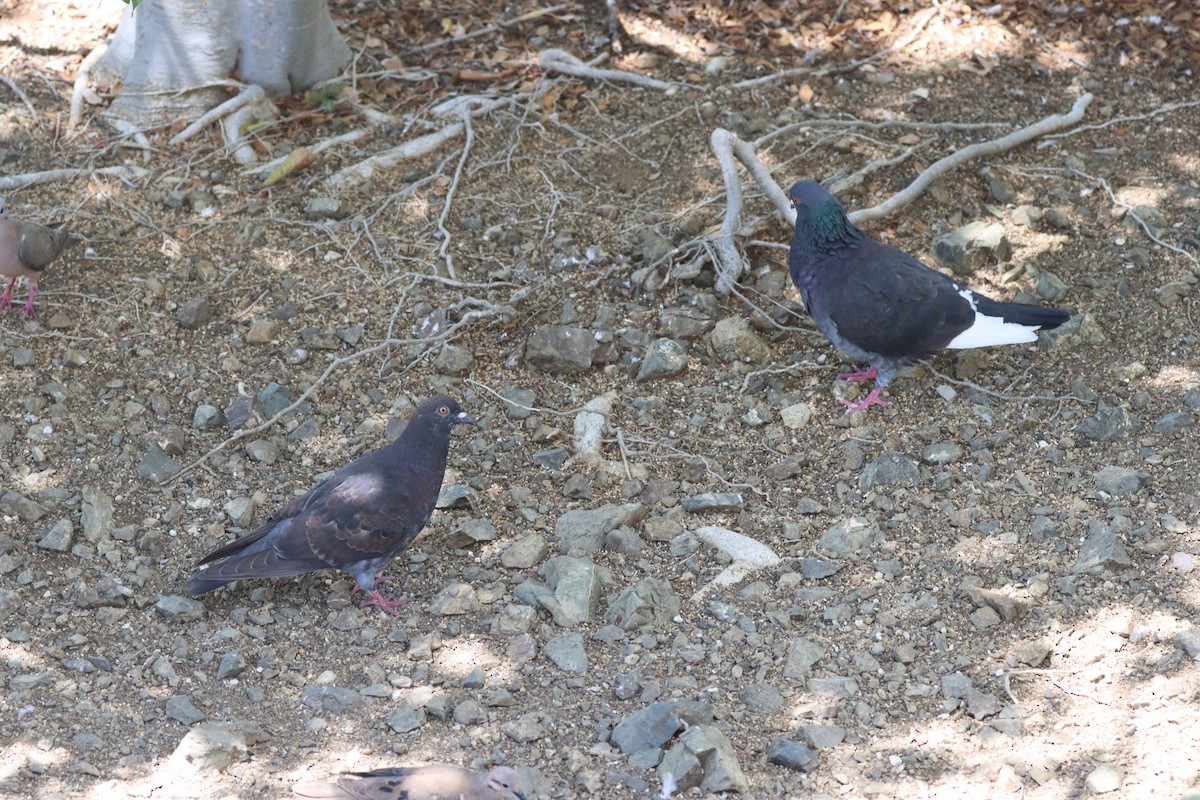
point(806, 93)
point(297, 159)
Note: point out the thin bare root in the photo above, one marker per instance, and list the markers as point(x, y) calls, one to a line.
point(122, 171)
point(82, 79)
point(562, 61)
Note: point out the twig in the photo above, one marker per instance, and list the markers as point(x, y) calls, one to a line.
point(1056, 684)
point(624, 453)
point(414, 148)
point(854, 179)
point(1001, 395)
point(1131, 118)
point(542, 12)
point(554, 60)
point(122, 171)
point(325, 144)
point(17, 91)
point(1137, 217)
point(979, 150)
point(250, 94)
point(515, 404)
point(135, 134)
point(444, 247)
point(780, 371)
point(82, 79)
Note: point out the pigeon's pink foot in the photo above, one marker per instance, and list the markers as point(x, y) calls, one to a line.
point(388, 605)
point(871, 399)
point(859, 375)
point(28, 312)
point(6, 298)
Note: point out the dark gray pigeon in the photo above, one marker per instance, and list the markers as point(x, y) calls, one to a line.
point(358, 520)
point(432, 782)
point(882, 306)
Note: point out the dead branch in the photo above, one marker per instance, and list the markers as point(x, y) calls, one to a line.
point(345, 138)
point(727, 146)
point(561, 61)
point(83, 79)
point(414, 148)
point(20, 94)
point(989, 148)
point(122, 171)
point(248, 96)
point(138, 138)
point(444, 247)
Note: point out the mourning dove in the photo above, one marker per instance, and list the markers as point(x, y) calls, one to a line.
point(26, 248)
point(433, 782)
point(358, 520)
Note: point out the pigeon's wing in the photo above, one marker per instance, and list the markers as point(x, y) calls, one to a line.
point(893, 305)
point(39, 245)
point(434, 782)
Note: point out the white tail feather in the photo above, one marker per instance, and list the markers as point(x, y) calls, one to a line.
point(987, 331)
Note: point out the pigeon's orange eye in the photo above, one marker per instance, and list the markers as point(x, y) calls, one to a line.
point(443, 410)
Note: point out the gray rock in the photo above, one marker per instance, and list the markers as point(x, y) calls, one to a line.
point(982, 705)
point(624, 540)
point(455, 599)
point(664, 358)
point(823, 737)
point(263, 450)
point(239, 411)
point(1057, 218)
point(1001, 191)
point(240, 511)
point(846, 537)
point(818, 568)
point(684, 323)
point(454, 360)
point(1026, 215)
point(1009, 608)
point(231, 665)
point(209, 747)
point(942, 453)
point(521, 402)
point(471, 533)
point(58, 536)
point(179, 608)
point(457, 495)
point(21, 506)
point(194, 313)
point(1050, 286)
point(713, 501)
point(576, 586)
point(1174, 422)
point(649, 603)
point(970, 247)
point(524, 729)
point(526, 552)
point(1106, 777)
point(1121, 480)
point(560, 349)
point(890, 469)
point(274, 398)
point(156, 465)
point(406, 718)
point(796, 416)
point(470, 712)
point(1074, 334)
point(707, 746)
point(1189, 641)
point(585, 528)
point(330, 698)
point(97, 515)
point(801, 656)
point(566, 651)
point(22, 357)
point(1109, 424)
point(956, 686)
point(179, 707)
point(317, 339)
point(734, 341)
point(653, 726)
point(318, 208)
point(984, 618)
point(792, 755)
point(762, 696)
point(1101, 550)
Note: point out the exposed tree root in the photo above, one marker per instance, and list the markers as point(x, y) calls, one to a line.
point(123, 171)
point(562, 61)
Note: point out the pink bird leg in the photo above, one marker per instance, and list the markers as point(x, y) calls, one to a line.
point(380, 600)
point(859, 375)
point(872, 399)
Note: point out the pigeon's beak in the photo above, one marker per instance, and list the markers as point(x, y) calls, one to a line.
point(518, 795)
point(464, 418)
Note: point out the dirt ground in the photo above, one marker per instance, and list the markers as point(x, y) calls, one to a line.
point(1018, 617)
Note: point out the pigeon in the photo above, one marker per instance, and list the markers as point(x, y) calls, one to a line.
point(26, 249)
point(357, 521)
point(433, 782)
point(882, 306)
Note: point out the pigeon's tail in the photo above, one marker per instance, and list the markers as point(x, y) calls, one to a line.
point(328, 791)
point(1004, 323)
point(252, 556)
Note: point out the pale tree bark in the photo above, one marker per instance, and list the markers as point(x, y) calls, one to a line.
point(173, 56)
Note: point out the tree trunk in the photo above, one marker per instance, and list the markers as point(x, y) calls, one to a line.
point(168, 51)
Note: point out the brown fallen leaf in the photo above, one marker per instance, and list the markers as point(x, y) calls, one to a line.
point(297, 159)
